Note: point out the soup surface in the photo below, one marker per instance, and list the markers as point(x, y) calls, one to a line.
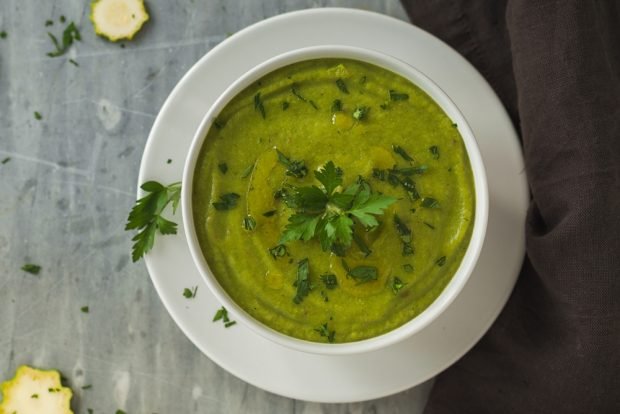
point(363, 246)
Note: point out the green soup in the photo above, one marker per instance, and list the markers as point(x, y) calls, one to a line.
point(386, 136)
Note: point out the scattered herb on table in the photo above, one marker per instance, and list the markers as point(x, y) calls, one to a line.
point(302, 282)
point(169, 161)
point(74, 63)
point(190, 293)
point(258, 105)
point(49, 23)
point(342, 86)
point(294, 168)
point(3, 34)
point(69, 35)
point(85, 309)
point(7, 159)
point(146, 216)
point(324, 331)
point(397, 96)
point(38, 116)
point(31, 268)
point(87, 387)
point(227, 201)
point(222, 314)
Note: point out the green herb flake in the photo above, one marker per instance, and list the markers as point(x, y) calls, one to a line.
point(222, 313)
point(400, 151)
point(324, 332)
point(270, 213)
point(342, 86)
point(407, 268)
point(219, 124)
point(324, 296)
point(62, 19)
point(85, 309)
point(146, 216)
point(69, 35)
point(428, 202)
point(337, 105)
point(3, 34)
point(441, 261)
point(397, 284)
point(120, 412)
point(302, 282)
point(404, 233)
point(190, 293)
point(229, 324)
point(223, 167)
point(7, 159)
point(361, 112)
point(227, 201)
point(361, 245)
point(31, 268)
point(248, 170)
point(249, 223)
point(429, 225)
point(49, 23)
point(363, 80)
point(294, 168)
point(258, 105)
point(38, 116)
point(397, 96)
point(74, 63)
point(330, 281)
point(383, 106)
point(90, 410)
point(362, 274)
point(87, 387)
point(34, 396)
point(278, 251)
point(285, 105)
point(454, 125)
point(434, 150)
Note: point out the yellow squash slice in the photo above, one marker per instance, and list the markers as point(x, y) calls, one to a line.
point(118, 19)
point(34, 391)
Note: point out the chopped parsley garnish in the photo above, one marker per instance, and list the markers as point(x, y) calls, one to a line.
point(62, 19)
point(222, 314)
point(248, 170)
point(38, 116)
point(330, 281)
point(407, 268)
point(429, 225)
point(361, 112)
point(361, 274)
point(294, 168)
point(219, 124)
point(328, 213)
point(31, 268)
point(362, 245)
point(397, 284)
point(249, 223)
point(428, 202)
point(400, 151)
point(146, 216)
point(454, 125)
point(404, 233)
point(227, 201)
point(69, 35)
point(120, 412)
point(270, 213)
point(278, 251)
point(223, 167)
point(34, 396)
point(397, 96)
point(324, 331)
point(302, 282)
point(7, 159)
point(49, 23)
point(441, 261)
point(285, 105)
point(87, 387)
point(434, 150)
point(73, 62)
point(258, 105)
point(169, 161)
point(85, 309)
point(410, 187)
point(363, 80)
point(337, 105)
point(3, 35)
point(342, 86)
point(190, 293)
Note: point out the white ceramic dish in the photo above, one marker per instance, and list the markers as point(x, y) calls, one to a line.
point(480, 218)
point(299, 375)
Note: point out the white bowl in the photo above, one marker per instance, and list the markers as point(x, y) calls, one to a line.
point(470, 258)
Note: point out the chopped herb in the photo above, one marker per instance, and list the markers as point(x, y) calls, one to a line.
point(38, 116)
point(342, 86)
point(249, 223)
point(258, 105)
point(330, 281)
point(362, 245)
point(429, 225)
point(34, 396)
point(302, 282)
point(337, 105)
point(270, 213)
point(361, 274)
point(324, 331)
point(410, 187)
point(169, 161)
point(407, 171)
point(219, 124)
point(227, 201)
point(363, 80)
point(285, 105)
point(434, 150)
point(7, 159)
point(361, 112)
point(405, 235)
point(87, 387)
point(146, 216)
point(400, 151)
point(383, 106)
point(85, 309)
point(428, 202)
point(190, 293)
point(31, 268)
point(3, 35)
point(69, 35)
point(221, 313)
point(52, 390)
point(223, 167)
point(441, 261)
point(312, 104)
point(62, 19)
point(407, 268)
point(90, 410)
point(49, 23)
point(397, 284)
point(229, 324)
point(246, 173)
point(396, 96)
point(120, 412)
point(294, 168)
point(296, 93)
point(454, 125)
point(278, 251)
point(73, 62)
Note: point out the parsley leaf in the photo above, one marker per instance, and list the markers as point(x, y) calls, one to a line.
point(33, 269)
point(190, 293)
point(302, 283)
point(361, 112)
point(330, 281)
point(362, 273)
point(441, 261)
point(397, 284)
point(222, 314)
point(279, 250)
point(258, 105)
point(429, 202)
point(227, 201)
point(69, 35)
point(397, 96)
point(146, 216)
point(330, 177)
point(294, 168)
point(400, 151)
point(405, 235)
point(434, 150)
point(324, 331)
point(342, 86)
point(249, 223)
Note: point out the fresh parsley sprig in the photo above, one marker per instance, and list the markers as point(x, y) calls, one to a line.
point(330, 213)
point(146, 216)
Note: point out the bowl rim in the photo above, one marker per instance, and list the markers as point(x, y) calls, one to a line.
point(468, 262)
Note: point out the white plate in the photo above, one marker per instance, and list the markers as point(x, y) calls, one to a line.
point(371, 375)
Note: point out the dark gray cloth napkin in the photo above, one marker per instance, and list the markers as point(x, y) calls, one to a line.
point(555, 348)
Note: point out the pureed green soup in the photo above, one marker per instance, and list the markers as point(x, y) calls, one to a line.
point(333, 200)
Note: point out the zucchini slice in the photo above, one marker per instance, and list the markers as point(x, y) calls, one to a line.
point(118, 19)
point(34, 391)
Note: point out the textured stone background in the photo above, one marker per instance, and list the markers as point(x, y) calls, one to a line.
point(64, 198)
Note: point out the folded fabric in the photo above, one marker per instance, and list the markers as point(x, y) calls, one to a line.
point(555, 348)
